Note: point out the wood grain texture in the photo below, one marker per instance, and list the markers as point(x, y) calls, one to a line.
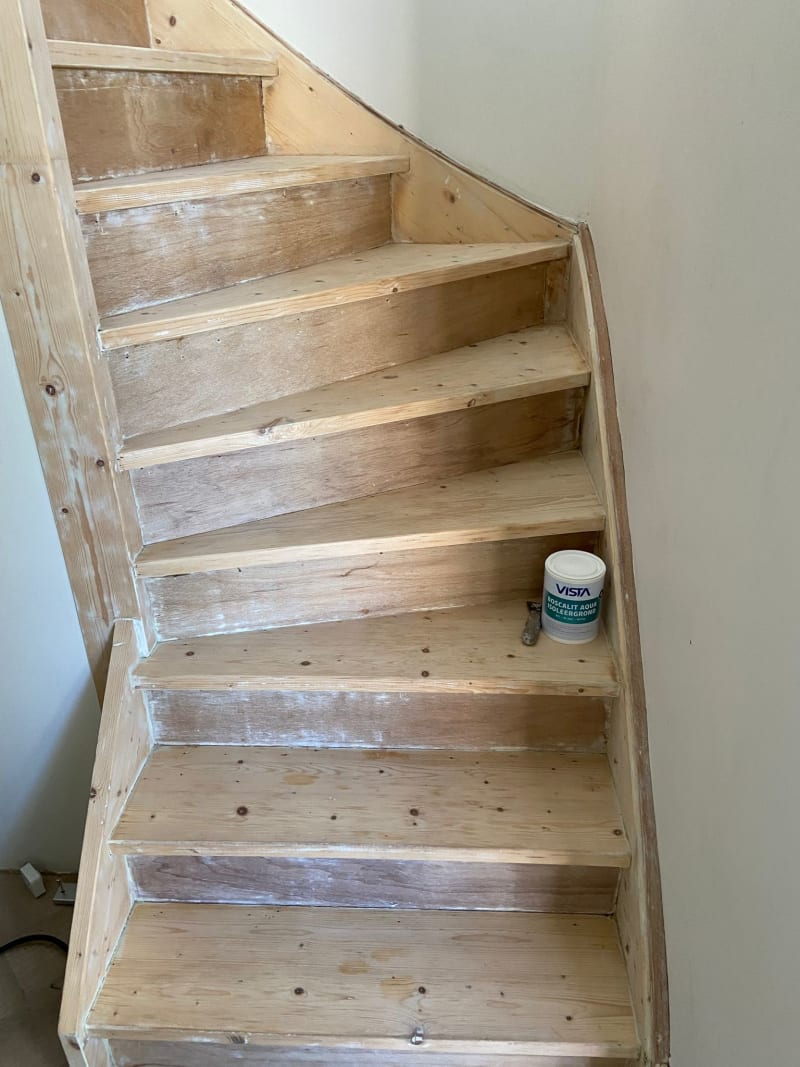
point(530, 362)
point(52, 319)
point(167, 1054)
point(119, 122)
point(86, 55)
point(308, 112)
point(639, 912)
point(380, 272)
point(465, 650)
point(104, 897)
point(360, 975)
point(378, 720)
point(374, 884)
point(350, 588)
point(145, 256)
point(533, 498)
point(234, 178)
point(123, 22)
point(210, 493)
point(171, 382)
point(464, 807)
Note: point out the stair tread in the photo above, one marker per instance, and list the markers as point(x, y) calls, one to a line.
point(230, 178)
point(477, 807)
point(391, 268)
point(92, 56)
point(475, 649)
point(539, 497)
point(476, 982)
point(541, 359)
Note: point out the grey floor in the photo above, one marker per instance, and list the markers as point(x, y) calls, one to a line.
point(31, 976)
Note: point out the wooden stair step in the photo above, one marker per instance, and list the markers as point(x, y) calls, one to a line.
point(470, 807)
point(539, 497)
point(380, 272)
point(539, 360)
point(474, 982)
point(461, 650)
point(86, 55)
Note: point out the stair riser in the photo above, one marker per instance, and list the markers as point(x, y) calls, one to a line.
point(123, 22)
point(147, 255)
point(374, 884)
point(378, 720)
point(350, 587)
point(176, 1054)
point(128, 122)
point(171, 382)
point(214, 492)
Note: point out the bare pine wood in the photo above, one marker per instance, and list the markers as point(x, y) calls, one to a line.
point(123, 22)
point(104, 896)
point(377, 720)
point(123, 122)
point(368, 978)
point(466, 650)
point(525, 363)
point(86, 55)
point(198, 495)
point(467, 807)
point(335, 883)
point(349, 588)
point(145, 256)
point(392, 269)
point(234, 178)
point(161, 384)
point(540, 497)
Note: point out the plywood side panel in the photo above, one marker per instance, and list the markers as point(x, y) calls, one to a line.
point(172, 382)
point(307, 112)
point(127, 122)
point(639, 909)
point(52, 319)
point(349, 588)
point(120, 22)
point(147, 255)
point(213, 492)
point(104, 896)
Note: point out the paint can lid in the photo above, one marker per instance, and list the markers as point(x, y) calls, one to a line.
point(575, 566)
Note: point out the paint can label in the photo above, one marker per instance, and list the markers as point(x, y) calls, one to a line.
point(573, 590)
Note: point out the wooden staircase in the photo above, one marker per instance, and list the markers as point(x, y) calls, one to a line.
point(353, 398)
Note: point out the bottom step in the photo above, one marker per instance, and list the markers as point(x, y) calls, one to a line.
point(451, 984)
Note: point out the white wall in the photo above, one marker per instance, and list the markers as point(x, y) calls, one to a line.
point(48, 707)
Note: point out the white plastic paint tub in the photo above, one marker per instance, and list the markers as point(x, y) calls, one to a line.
point(573, 591)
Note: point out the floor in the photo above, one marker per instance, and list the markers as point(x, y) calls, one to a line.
point(31, 976)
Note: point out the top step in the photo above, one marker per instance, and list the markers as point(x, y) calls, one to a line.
point(84, 55)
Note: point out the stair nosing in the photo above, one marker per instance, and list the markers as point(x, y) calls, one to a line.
point(141, 326)
point(91, 55)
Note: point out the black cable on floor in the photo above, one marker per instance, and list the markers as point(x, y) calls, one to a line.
point(27, 939)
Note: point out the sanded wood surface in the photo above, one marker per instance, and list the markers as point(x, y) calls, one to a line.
point(147, 255)
point(122, 22)
point(87, 55)
point(475, 649)
point(392, 269)
point(387, 583)
point(229, 179)
point(525, 363)
point(121, 122)
point(369, 978)
point(213, 492)
point(472, 807)
point(168, 382)
point(467, 722)
point(538, 497)
point(386, 883)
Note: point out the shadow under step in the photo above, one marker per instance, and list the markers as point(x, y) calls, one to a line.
point(347, 981)
point(531, 362)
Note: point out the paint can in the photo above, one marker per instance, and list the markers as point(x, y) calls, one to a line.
point(573, 590)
